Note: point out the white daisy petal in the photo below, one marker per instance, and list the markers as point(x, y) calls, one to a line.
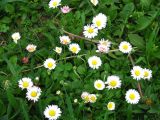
point(54, 3)
point(50, 63)
point(132, 96)
point(147, 74)
point(113, 82)
point(99, 85)
point(137, 72)
point(111, 106)
point(74, 48)
point(25, 83)
point(94, 62)
point(125, 47)
point(90, 31)
point(52, 112)
point(65, 40)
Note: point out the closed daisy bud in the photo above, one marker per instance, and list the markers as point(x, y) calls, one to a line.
point(111, 106)
point(90, 31)
point(104, 46)
point(16, 36)
point(31, 48)
point(132, 96)
point(25, 60)
point(65, 9)
point(25, 83)
point(50, 63)
point(125, 47)
point(113, 82)
point(54, 3)
point(33, 93)
point(137, 72)
point(65, 40)
point(99, 85)
point(147, 74)
point(100, 21)
point(74, 48)
point(75, 100)
point(94, 2)
point(58, 50)
point(94, 62)
point(52, 112)
point(58, 92)
point(92, 98)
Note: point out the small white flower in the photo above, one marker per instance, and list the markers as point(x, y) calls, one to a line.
point(137, 72)
point(65, 9)
point(113, 82)
point(94, 62)
point(33, 93)
point(54, 3)
point(65, 40)
point(74, 48)
point(75, 100)
point(147, 74)
point(58, 92)
point(37, 78)
point(58, 50)
point(132, 96)
point(25, 83)
point(92, 98)
point(85, 97)
point(90, 31)
point(125, 47)
point(111, 106)
point(16, 36)
point(50, 63)
point(99, 85)
point(31, 48)
point(100, 21)
point(52, 112)
point(104, 46)
point(94, 2)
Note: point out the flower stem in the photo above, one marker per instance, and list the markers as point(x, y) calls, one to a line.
point(138, 84)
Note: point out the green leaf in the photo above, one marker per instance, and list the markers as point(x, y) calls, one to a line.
point(137, 41)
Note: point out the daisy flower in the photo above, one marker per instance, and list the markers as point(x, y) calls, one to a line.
point(16, 36)
point(94, 2)
point(147, 74)
point(132, 96)
point(137, 72)
point(52, 112)
point(94, 62)
point(111, 106)
point(85, 96)
point(31, 48)
point(33, 93)
point(65, 9)
point(65, 40)
point(50, 63)
point(100, 21)
point(113, 82)
point(74, 48)
point(125, 47)
point(25, 83)
point(54, 3)
point(58, 50)
point(92, 98)
point(99, 85)
point(90, 31)
point(103, 46)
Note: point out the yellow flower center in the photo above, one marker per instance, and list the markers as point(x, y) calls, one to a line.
point(52, 113)
point(74, 49)
point(137, 72)
point(86, 98)
point(90, 30)
point(146, 74)
point(25, 84)
point(113, 83)
point(132, 96)
point(99, 85)
point(50, 65)
point(55, 3)
point(65, 41)
point(94, 62)
point(33, 93)
point(125, 47)
point(93, 98)
point(110, 105)
point(98, 23)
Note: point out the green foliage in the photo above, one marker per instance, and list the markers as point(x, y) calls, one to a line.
point(135, 21)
